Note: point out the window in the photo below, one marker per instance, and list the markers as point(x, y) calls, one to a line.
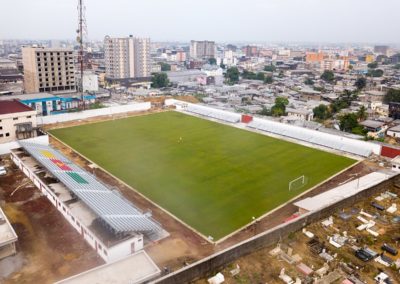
point(7, 134)
point(1, 135)
point(29, 116)
point(1, 127)
point(15, 118)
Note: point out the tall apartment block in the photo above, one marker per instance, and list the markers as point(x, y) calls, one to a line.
point(48, 69)
point(127, 57)
point(202, 49)
point(381, 49)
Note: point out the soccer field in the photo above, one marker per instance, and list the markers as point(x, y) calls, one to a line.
point(213, 177)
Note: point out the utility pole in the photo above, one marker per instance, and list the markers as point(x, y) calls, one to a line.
point(80, 41)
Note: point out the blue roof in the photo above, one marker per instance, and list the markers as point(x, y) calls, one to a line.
point(49, 99)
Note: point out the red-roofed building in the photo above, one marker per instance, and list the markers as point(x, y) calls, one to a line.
point(17, 121)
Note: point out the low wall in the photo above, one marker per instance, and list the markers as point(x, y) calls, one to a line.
point(213, 263)
point(93, 113)
point(6, 148)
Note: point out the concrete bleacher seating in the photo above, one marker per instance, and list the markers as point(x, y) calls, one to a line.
point(357, 147)
point(214, 113)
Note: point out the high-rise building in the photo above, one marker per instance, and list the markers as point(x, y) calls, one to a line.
point(127, 57)
point(250, 50)
point(312, 57)
point(202, 49)
point(381, 49)
point(48, 69)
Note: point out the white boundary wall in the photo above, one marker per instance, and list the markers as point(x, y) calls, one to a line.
point(93, 113)
point(357, 147)
point(181, 105)
point(6, 148)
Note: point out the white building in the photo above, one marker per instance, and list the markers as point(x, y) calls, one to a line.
point(300, 114)
point(16, 121)
point(110, 224)
point(127, 57)
point(202, 49)
point(396, 164)
point(394, 131)
point(229, 58)
point(90, 82)
point(8, 237)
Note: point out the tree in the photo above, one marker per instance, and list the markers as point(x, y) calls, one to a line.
point(270, 68)
point(343, 101)
point(348, 122)
point(321, 112)
point(248, 75)
point(264, 111)
point(212, 61)
point(375, 72)
point(360, 83)
point(260, 76)
point(328, 76)
point(277, 111)
point(372, 65)
point(252, 76)
point(222, 65)
point(165, 66)
point(232, 75)
point(397, 66)
point(392, 95)
point(159, 80)
point(268, 80)
point(351, 67)
point(280, 106)
point(362, 113)
point(309, 81)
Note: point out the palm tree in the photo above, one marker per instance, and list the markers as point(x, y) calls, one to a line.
point(362, 113)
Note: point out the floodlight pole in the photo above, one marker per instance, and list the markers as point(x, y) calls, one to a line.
point(80, 41)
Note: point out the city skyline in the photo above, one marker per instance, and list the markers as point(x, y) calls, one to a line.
point(223, 21)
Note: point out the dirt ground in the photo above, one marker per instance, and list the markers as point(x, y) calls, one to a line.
point(48, 248)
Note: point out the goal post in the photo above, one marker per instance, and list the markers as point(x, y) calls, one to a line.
point(298, 183)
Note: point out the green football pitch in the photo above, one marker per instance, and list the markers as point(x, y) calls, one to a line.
point(212, 176)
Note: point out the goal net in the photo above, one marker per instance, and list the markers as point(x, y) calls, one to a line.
point(298, 183)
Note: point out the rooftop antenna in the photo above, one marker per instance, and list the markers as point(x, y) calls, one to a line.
point(79, 39)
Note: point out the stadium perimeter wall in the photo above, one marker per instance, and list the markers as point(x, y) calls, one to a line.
point(212, 264)
point(93, 113)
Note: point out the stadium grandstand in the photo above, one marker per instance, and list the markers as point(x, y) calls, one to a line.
point(213, 113)
point(102, 216)
point(344, 144)
point(314, 137)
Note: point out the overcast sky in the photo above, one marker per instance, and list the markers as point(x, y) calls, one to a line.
point(375, 21)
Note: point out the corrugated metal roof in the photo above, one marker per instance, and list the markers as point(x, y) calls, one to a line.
point(13, 106)
point(115, 210)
